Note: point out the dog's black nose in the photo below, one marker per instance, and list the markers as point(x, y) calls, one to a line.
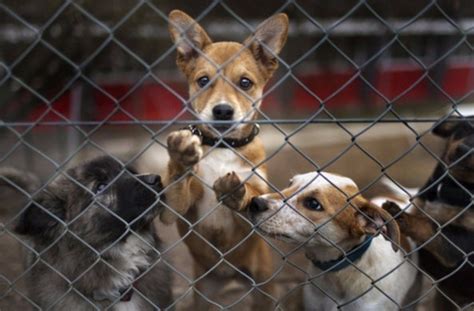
point(151, 179)
point(223, 112)
point(258, 205)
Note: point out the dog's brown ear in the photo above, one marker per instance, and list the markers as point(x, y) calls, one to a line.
point(374, 219)
point(188, 35)
point(268, 40)
point(445, 128)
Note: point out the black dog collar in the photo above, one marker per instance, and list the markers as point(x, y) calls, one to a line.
point(447, 190)
point(222, 142)
point(345, 260)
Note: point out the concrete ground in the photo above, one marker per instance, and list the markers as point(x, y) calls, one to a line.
point(392, 146)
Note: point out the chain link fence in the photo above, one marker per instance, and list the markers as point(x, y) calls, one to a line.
point(360, 87)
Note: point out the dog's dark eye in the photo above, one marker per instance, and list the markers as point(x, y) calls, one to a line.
point(245, 83)
point(203, 81)
point(312, 204)
point(100, 187)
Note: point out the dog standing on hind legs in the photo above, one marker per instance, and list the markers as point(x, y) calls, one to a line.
point(226, 82)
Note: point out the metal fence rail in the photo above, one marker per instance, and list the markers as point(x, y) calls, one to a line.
point(46, 57)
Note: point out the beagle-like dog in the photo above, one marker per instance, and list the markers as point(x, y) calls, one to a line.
point(351, 265)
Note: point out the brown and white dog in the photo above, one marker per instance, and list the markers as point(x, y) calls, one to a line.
point(226, 83)
point(351, 265)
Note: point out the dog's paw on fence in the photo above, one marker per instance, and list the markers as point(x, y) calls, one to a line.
point(230, 190)
point(184, 148)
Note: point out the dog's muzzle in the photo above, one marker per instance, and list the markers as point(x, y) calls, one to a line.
point(258, 205)
point(223, 112)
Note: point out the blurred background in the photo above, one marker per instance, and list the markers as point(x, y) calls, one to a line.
point(108, 66)
point(112, 63)
point(412, 53)
point(359, 86)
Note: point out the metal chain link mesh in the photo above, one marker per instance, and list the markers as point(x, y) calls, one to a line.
point(70, 72)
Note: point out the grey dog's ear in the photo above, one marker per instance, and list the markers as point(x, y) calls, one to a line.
point(41, 217)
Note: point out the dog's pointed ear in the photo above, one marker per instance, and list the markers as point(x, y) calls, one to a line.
point(445, 128)
point(188, 36)
point(40, 217)
point(373, 219)
point(268, 40)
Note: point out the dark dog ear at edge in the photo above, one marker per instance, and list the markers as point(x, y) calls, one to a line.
point(445, 128)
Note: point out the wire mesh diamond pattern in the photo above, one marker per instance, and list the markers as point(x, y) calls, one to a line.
point(149, 162)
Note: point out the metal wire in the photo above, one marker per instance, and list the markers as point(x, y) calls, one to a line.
point(19, 132)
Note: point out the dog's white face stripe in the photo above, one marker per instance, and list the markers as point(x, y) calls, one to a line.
point(286, 219)
point(315, 180)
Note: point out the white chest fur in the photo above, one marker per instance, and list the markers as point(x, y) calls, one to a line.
point(381, 264)
point(217, 163)
point(129, 258)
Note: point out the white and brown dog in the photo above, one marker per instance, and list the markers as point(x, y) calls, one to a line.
point(351, 265)
point(226, 83)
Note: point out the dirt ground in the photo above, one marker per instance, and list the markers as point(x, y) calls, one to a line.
point(384, 144)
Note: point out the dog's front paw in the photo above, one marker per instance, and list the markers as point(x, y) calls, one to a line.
point(230, 190)
point(184, 148)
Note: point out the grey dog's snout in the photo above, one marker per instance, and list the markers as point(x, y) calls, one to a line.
point(258, 205)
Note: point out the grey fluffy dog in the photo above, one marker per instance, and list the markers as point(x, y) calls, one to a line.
point(92, 241)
